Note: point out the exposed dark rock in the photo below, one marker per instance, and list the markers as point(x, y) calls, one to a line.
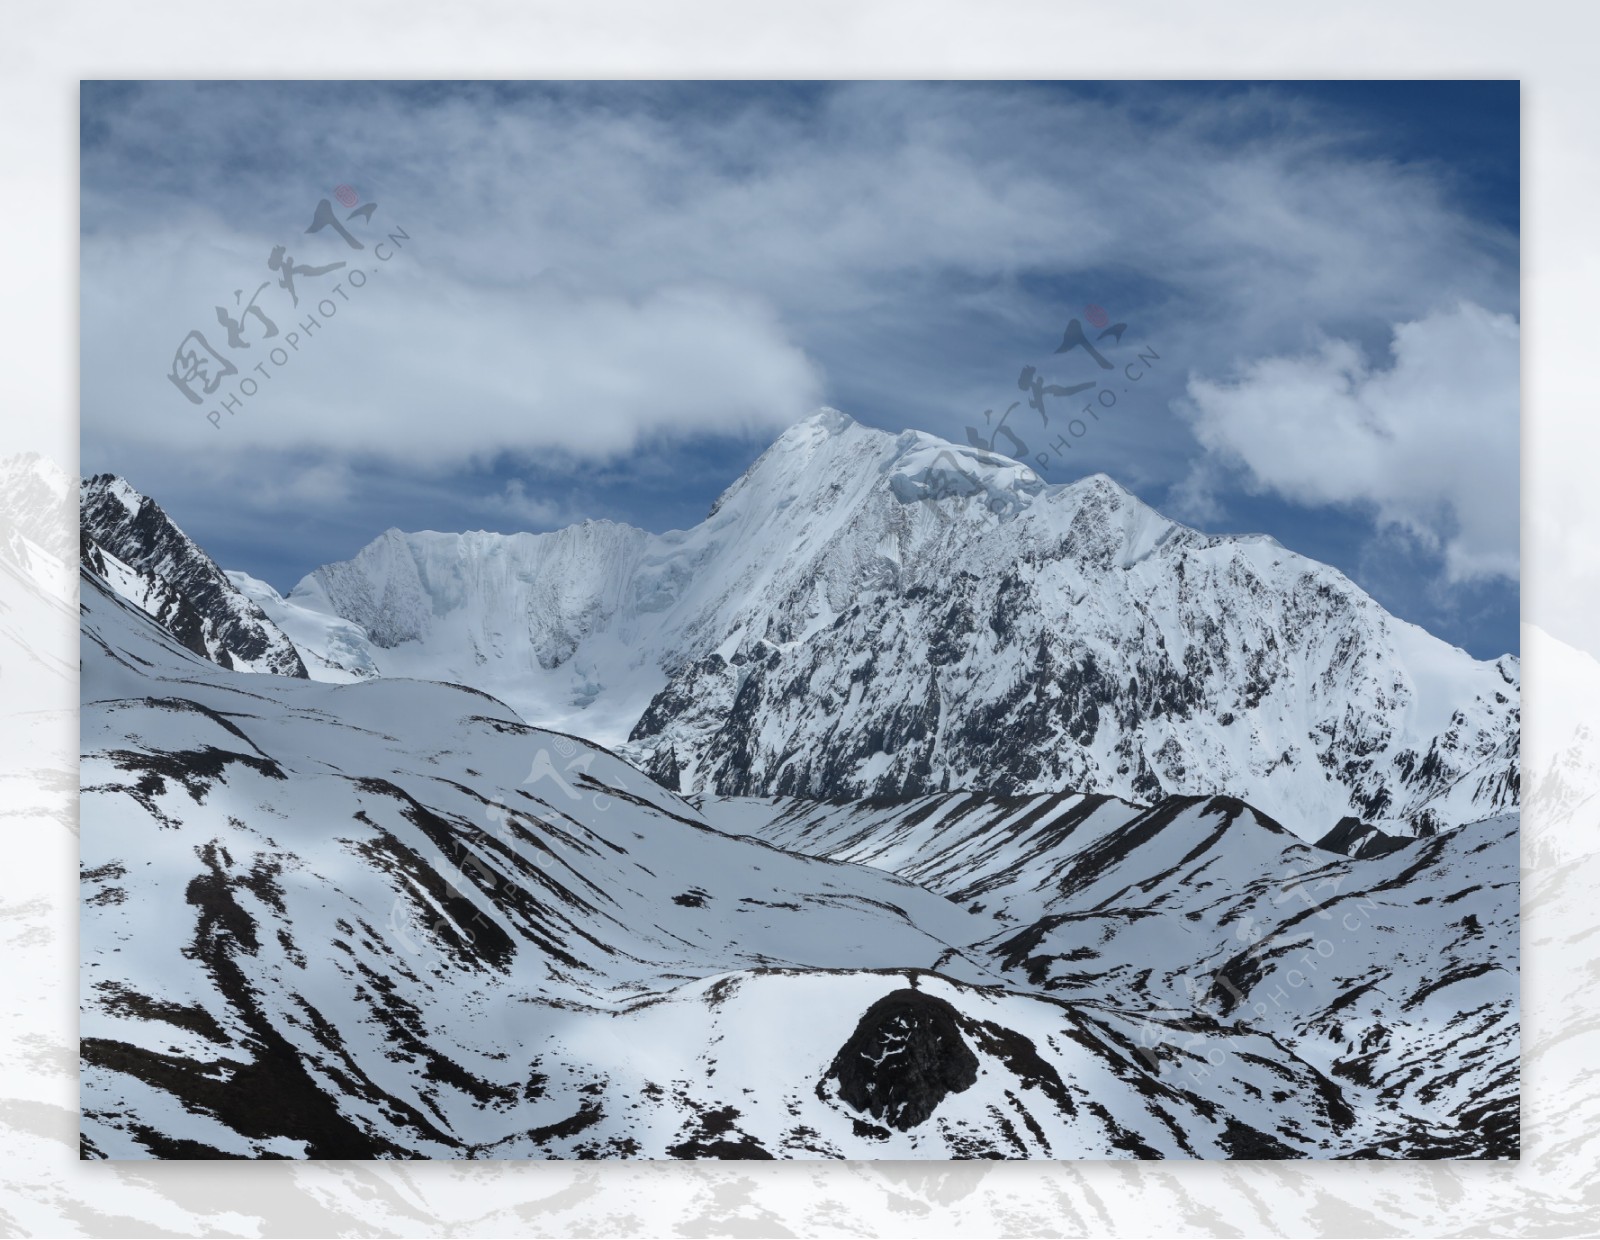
point(905, 1056)
point(1354, 838)
point(1247, 1143)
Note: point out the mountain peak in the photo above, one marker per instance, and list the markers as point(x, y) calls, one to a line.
point(831, 451)
point(37, 503)
point(914, 586)
point(118, 488)
point(927, 467)
point(793, 450)
point(832, 421)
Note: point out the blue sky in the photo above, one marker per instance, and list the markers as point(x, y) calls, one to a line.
point(606, 299)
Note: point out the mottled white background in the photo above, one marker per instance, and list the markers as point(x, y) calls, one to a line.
point(1555, 1190)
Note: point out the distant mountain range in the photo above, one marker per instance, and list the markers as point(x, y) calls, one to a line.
point(871, 615)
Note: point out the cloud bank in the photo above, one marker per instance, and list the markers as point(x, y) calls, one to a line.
point(591, 265)
point(1427, 439)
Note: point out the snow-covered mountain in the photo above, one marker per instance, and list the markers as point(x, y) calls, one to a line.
point(130, 543)
point(38, 589)
point(333, 648)
point(390, 918)
point(38, 507)
point(1397, 973)
point(865, 614)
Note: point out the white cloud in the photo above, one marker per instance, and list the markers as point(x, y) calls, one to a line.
point(321, 485)
point(419, 367)
point(513, 500)
point(1427, 441)
point(597, 264)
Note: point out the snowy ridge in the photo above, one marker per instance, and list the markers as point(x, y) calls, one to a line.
point(1567, 782)
point(391, 919)
point(130, 543)
point(332, 648)
point(867, 615)
point(38, 577)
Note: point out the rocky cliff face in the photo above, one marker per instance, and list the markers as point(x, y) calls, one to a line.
point(130, 543)
point(1013, 638)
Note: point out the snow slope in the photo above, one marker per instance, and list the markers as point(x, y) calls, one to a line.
point(332, 648)
point(390, 919)
point(865, 614)
point(1567, 779)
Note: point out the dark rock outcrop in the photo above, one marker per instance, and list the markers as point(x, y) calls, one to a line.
point(905, 1056)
